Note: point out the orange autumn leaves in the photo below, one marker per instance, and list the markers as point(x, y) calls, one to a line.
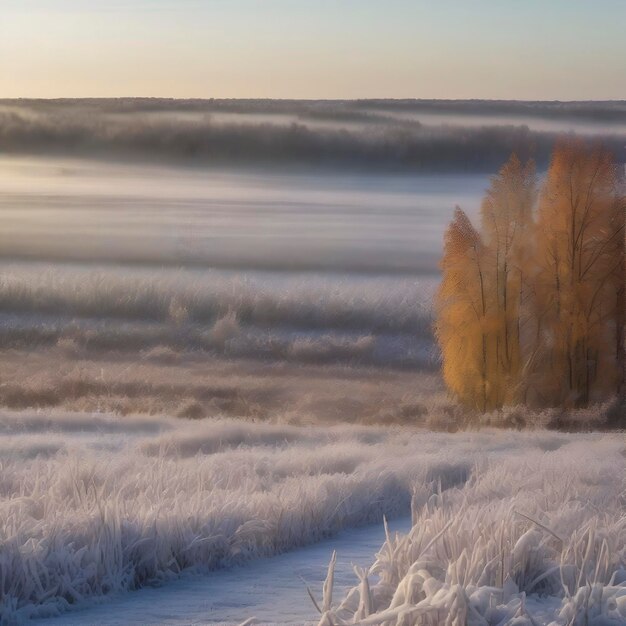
point(531, 306)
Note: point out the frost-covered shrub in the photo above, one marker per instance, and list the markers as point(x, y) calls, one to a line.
point(524, 542)
point(329, 348)
point(191, 409)
point(223, 330)
point(162, 354)
point(69, 347)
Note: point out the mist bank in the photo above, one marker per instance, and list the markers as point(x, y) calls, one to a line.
point(589, 110)
point(92, 212)
point(386, 135)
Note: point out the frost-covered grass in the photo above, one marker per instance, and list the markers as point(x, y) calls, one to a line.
point(310, 302)
point(536, 538)
point(195, 384)
point(317, 318)
point(91, 505)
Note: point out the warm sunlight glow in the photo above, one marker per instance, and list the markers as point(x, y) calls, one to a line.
point(258, 366)
point(306, 49)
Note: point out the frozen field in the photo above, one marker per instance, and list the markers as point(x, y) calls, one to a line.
point(133, 288)
point(263, 273)
point(96, 505)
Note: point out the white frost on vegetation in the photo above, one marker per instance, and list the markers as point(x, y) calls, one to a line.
point(536, 538)
point(92, 505)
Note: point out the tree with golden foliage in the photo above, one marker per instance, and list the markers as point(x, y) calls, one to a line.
point(462, 319)
point(579, 284)
point(535, 312)
point(506, 224)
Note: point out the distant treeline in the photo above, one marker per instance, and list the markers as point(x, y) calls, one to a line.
point(594, 110)
point(358, 134)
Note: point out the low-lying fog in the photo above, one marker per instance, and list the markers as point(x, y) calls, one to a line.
point(162, 261)
point(66, 209)
point(375, 135)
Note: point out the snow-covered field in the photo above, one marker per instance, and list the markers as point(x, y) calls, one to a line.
point(94, 505)
point(291, 308)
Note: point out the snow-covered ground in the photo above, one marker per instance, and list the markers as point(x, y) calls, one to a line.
point(92, 506)
point(272, 590)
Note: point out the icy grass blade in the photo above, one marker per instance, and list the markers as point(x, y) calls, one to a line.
point(328, 583)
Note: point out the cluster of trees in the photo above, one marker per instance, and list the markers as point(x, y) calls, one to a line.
point(531, 308)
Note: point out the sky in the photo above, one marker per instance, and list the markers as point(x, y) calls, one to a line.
point(496, 49)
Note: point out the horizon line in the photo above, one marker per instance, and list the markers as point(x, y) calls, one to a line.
point(320, 99)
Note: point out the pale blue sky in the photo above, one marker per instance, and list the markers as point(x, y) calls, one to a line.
point(549, 49)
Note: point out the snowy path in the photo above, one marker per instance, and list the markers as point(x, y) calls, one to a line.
point(270, 589)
